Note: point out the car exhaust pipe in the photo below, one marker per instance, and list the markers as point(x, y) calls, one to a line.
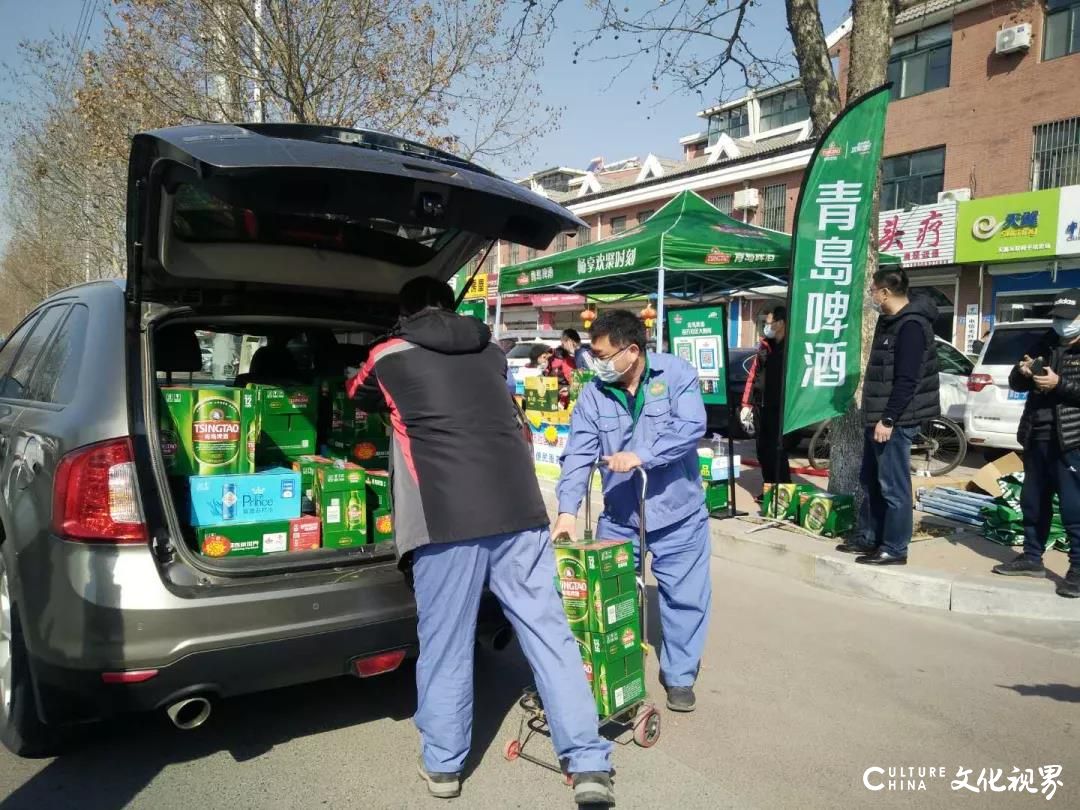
point(189, 713)
point(498, 639)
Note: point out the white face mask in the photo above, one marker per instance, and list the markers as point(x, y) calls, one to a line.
point(605, 369)
point(1067, 328)
point(769, 331)
point(876, 306)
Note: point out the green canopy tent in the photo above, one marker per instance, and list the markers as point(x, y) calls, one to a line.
point(687, 249)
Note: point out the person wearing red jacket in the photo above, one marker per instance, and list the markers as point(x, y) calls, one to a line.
point(761, 405)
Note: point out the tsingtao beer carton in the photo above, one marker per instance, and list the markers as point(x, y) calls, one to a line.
point(784, 499)
point(609, 658)
point(341, 499)
point(828, 515)
point(208, 430)
point(598, 584)
point(379, 506)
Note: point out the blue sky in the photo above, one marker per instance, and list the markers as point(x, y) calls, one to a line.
point(602, 117)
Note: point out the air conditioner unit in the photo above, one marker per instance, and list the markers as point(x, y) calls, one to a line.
point(746, 198)
point(1013, 39)
point(954, 195)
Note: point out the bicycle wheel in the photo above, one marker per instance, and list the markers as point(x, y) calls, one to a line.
point(818, 454)
point(939, 447)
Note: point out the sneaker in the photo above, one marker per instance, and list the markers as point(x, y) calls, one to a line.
point(593, 787)
point(681, 699)
point(441, 785)
point(1022, 566)
point(1070, 586)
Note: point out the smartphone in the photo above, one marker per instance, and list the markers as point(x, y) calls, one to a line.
point(1038, 366)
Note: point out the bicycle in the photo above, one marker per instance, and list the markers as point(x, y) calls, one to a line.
point(939, 447)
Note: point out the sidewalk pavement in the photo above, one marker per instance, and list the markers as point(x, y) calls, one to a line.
point(948, 565)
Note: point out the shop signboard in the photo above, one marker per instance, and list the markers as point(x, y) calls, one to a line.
point(1068, 226)
point(922, 236)
point(971, 328)
point(697, 336)
point(1012, 227)
point(476, 309)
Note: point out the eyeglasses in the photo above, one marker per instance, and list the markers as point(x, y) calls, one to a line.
point(595, 356)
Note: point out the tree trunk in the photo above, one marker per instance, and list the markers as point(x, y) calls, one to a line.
point(871, 38)
point(815, 67)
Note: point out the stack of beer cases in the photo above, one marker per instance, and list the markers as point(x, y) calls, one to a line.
point(542, 402)
point(820, 512)
point(599, 592)
point(210, 438)
point(357, 435)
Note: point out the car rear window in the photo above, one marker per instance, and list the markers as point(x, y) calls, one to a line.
point(1008, 346)
point(199, 216)
point(521, 351)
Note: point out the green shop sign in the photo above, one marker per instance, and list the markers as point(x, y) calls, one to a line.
point(1009, 228)
point(697, 336)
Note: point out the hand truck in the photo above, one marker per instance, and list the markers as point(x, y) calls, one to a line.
point(640, 717)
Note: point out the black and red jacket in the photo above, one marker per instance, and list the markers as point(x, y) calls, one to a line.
point(762, 389)
point(459, 467)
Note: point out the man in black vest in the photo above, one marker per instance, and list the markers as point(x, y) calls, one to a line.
point(900, 391)
point(1050, 435)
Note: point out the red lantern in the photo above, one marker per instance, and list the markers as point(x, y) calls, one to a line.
point(588, 315)
point(649, 316)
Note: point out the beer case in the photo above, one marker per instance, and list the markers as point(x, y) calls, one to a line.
point(379, 506)
point(208, 430)
point(254, 539)
point(216, 500)
point(787, 498)
point(611, 660)
point(341, 501)
point(716, 495)
point(598, 584)
point(285, 437)
point(828, 515)
point(369, 453)
point(349, 416)
point(298, 400)
point(541, 394)
point(307, 465)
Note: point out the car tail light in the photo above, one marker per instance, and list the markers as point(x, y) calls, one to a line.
point(378, 664)
point(95, 498)
point(977, 382)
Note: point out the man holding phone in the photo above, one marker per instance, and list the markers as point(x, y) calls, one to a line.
point(1050, 435)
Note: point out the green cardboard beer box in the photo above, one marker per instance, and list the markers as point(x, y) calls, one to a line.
point(299, 400)
point(254, 539)
point(610, 657)
point(208, 430)
point(784, 499)
point(306, 466)
point(621, 688)
point(541, 394)
point(379, 506)
point(828, 515)
point(285, 437)
point(716, 495)
point(350, 416)
point(341, 501)
point(598, 584)
point(373, 454)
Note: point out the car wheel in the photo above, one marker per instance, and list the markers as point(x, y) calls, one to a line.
point(21, 730)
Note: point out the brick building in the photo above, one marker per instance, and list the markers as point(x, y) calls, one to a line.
point(984, 104)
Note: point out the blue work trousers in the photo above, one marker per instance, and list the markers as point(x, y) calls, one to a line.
point(520, 570)
point(681, 554)
point(885, 517)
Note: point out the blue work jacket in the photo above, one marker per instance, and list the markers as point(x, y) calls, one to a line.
point(665, 437)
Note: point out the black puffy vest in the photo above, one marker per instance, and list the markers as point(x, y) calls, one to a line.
point(1066, 417)
point(878, 381)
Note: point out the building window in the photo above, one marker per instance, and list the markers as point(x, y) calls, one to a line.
point(775, 207)
point(920, 62)
point(735, 122)
point(784, 109)
point(513, 253)
point(643, 216)
point(618, 224)
point(584, 235)
point(1055, 159)
point(914, 179)
point(724, 202)
point(1062, 35)
point(560, 243)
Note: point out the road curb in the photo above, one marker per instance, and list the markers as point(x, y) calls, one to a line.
point(796, 557)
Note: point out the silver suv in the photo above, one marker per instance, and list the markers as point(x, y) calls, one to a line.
point(294, 235)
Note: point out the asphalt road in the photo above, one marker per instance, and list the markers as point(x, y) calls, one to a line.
point(801, 691)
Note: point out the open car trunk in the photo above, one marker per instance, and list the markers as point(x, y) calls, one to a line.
point(241, 404)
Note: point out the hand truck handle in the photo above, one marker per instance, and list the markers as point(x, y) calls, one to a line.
point(587, 535)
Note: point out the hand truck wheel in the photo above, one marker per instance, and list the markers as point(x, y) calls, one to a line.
point(512, 750)
point(647, 729)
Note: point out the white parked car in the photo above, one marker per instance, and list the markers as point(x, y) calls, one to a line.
point(954, 368)
point(994, 410)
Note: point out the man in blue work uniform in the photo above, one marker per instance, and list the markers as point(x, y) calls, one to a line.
point(468, 511)
point(645, 410)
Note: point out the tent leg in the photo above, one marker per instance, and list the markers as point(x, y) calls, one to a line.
point(660, 310)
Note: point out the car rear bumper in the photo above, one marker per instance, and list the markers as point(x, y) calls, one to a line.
point(1005, 440)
